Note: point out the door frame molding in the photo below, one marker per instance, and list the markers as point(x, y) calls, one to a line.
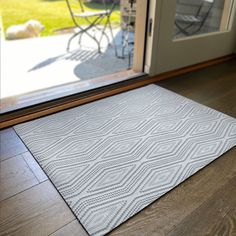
point(140, 35)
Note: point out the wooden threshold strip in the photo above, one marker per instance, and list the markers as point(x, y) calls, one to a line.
point(61, 104)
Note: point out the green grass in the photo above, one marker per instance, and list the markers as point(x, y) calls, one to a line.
point(53, 14)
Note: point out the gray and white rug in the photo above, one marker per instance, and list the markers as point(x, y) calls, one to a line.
point(111, 158)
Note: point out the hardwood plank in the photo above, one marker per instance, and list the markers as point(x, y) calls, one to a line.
point(10, 144)
point(34, 166)
point(191, 82)
point(38, 211)
point(167, 212)
point(15, 177)
point(200, 87)
point(208, 91)
point(227, 226)
point(224, 103)
point(214, 88)
point(210, 214)
point(72, 229)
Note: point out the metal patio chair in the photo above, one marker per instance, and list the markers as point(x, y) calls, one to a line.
point(185, 23)
point(93, 21)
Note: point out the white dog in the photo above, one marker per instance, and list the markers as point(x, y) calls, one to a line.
point(30, 29)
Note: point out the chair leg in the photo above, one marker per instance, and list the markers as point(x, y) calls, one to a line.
point(93, 24)
point(95, 39)
point(85, 30)
point(125, 42)
point(112, 36)
point(131, 52)
point(198, 29)
point(182, 30)
point(71, 38)
point(80, 32)
point(103, 33)
point(80, 39)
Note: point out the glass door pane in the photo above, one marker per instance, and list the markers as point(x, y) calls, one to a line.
point(65, 47)
point(194, 17)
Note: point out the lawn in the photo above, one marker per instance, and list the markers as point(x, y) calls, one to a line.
point(53, 14)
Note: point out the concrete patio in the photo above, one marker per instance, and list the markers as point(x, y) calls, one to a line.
point(34, 64)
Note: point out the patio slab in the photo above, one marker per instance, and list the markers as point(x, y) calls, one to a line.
point(34, 64)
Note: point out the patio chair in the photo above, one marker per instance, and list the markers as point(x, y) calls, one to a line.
point(93, 20)
point(192, 24)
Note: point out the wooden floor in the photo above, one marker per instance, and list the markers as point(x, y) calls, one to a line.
point(205, 204)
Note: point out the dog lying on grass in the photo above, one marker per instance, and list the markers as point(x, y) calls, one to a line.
point(30, 29)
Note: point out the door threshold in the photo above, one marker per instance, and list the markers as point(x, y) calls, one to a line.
point(49, 107)
point(14, 103)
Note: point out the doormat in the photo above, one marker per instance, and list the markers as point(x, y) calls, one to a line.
point(111, 158)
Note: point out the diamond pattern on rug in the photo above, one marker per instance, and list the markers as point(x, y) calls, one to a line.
point(111, 158)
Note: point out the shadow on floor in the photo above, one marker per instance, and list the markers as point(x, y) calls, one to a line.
point(92, 64)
